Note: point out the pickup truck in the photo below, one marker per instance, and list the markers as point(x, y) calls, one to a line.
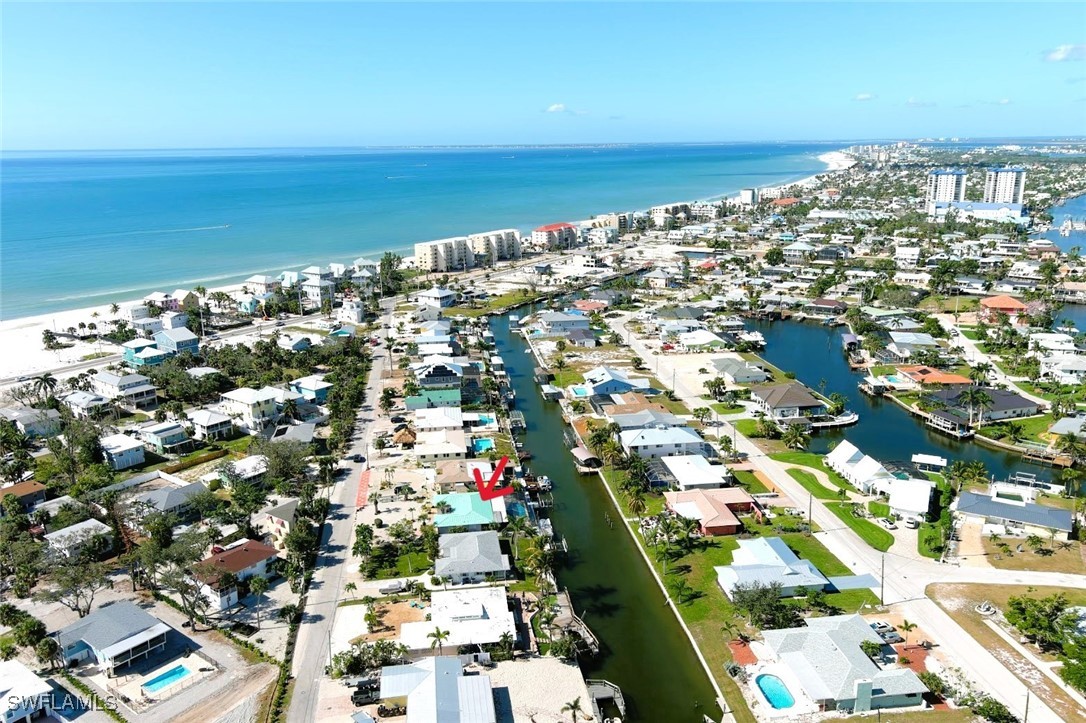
point(392, 588)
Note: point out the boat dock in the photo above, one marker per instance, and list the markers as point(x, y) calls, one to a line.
point(602, 691)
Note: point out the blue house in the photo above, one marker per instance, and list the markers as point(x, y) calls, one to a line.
point(175, 341)
point(143, 352)
point(312, 387)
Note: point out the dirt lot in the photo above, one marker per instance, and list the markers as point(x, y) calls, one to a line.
point(1053, 557)
point(392, 616)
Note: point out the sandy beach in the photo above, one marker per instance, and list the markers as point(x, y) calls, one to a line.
point(21, 338)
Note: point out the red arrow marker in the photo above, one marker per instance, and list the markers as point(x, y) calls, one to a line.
point(490, 490)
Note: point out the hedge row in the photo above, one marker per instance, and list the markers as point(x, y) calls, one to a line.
point(193, 461)
point(99, 704)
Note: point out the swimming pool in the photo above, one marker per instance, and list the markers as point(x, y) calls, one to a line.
point(482, 445)
point(517, 509)
point(486, 419)
point(775, 691)
point(171, 676)
point(580, 392)
point(893, 379)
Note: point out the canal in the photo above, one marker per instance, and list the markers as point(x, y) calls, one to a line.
point(643, 648)
point(885, 431)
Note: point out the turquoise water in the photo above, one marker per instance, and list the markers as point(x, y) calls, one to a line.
point(517, 509)
point(170, 677)
point(85, 229)
point(482, 445)
point(580, 392)
point(776, 692)
point(893, 379)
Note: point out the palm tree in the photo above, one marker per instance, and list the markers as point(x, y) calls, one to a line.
point(907, 627)
point(795, 437)
point(1071, 445)
point(45, 385)
point(351, 588)
point(514, 528)
point(290, 408)
point(974, 398)
point(682, 590)
point(439, 637)
point(574, 708)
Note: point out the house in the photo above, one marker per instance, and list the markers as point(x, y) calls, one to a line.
point(122, 451)
point(25, 696)
point(827, 308)
point(432, 398)
point(142, 352)
point(247, 469)
point(435, 690)
point(147, 328)
point(606, 381)
point(209, 425)
point(29, 493)
point(165, 437)
point(993, 306)
point(655, 442)
point(313, 388)
point(561, 323)
point(85, 405)
point(70, 541)
point(739, 371)
point(177, 341)
point(826, 659)
point(646, 418)
point(133, 390)
point(470, 557)
point(33, 422)
point(1004, 404)
point(693, 471)
point(225, 567)
point(583, 338)
point(441, 445)
point(438, 372)
point(276, 521)
point(113, 636)
point(157, 491)
point(352, 311)
point(1054, 343)
point(251, 408)
point(1064, 368)
point(162, 300)
point(439, 418)
point(788, 401)
point(903, 344)
point(589, 306)
point(318, 291)
point(469, 511)
point(700, 340)
point(863, 471)
point(460, 473)
point(1010, 510)
point(927, 375)
point(798, 253)
point(911, 497)
point(714, 509)
point(437, 298)
point(471, 616)
point(768, 560)
point(659, 279)
point(263, 284)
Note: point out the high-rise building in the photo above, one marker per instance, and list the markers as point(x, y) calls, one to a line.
point(448, 254)
point(494, 246)
point(554, 236)
point(749, 197)
point(1004, 185)
point(946, 186)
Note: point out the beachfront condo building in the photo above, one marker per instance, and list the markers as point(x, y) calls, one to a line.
point(494, 246)
point(554, 236)
point(447, 254)
point(1004, 185)
point(749, 197)
point(946, 186)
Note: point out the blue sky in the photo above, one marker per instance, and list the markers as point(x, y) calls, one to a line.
point(156, 75)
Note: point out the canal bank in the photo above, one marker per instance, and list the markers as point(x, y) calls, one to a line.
point(886, 431)
point(643, 648)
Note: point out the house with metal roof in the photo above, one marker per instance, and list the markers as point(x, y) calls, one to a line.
point(787, 402)
point(608, 380)
point(739, 371)
point(768, 560)
point(468, 511)
point(431, 398)
point(690, 471)
point(1011, 507)
point(471, 616)
point(469, 557)
point(645, 418)
point(655, 442)
point(833, 671)
point(70, 541)
point(435, 690)
point(113, 636)
point(121, 451)
point(1004, 404)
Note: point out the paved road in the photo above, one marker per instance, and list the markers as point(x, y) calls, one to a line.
point(311, 652)
point(906, 576)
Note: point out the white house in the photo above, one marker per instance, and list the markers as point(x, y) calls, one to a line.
point(24, 695)
point(701, 340)
point(608, 380)
point(238, 562)
point(437, 297)
point(767, 560)
point(693, 471)
point(251, 408)
point(442, 444)
point(70, 541)
point(657, 442)
point(122, 451)
point(471, 616)
point(209, 424)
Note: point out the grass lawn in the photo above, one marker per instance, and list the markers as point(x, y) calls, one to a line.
point(963, 304)
point(814, 461)
point(812, 485)
point(239, 446)
point(878, 509)
point(778, 373)
point(492, 303)
point(654, 503)
point(722, 408)
point(746, 427)
point(673, 406)
point(969, 333)
point(868, 531)
point(95, 355)
point(958, 600)
point(749, 481)
point(881, 369)
point(926, 529)
point(565, 377)
point(1032, 429)
point(1052, 557)
point(410, 563)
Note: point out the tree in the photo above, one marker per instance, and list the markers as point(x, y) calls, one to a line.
point(907, 627)
point(351, 588)
point(702, 414)
point(573, 708)
point(48, 651)
point(247, 498)
point(516, 527)
point(715, 386)
point(682, 590)
point(45, 386)
point(1035, 542)
point(438, 636)
point(184, 584)
point(774, 256)
point(74, 584)
point(795, 437)
point(870, 648)
point(1072, 445)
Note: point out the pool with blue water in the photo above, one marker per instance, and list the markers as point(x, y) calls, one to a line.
point(775, 691)
point(482, 446)
point(171, 676)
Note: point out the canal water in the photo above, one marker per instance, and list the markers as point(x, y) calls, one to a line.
point(885, 431)
point(643, 648)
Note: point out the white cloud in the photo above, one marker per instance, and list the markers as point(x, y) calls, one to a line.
point(556, 108)
point(1003, 101)
point(1063, 53)
point(865, 96)
point(917, 103)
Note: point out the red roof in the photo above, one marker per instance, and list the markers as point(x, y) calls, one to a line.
point(555, 227)
point(1003, 302)
point(241, 557)
point(786, 201)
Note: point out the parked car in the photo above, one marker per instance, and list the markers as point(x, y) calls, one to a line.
point(912, 523)
point(892, 637)
point(398, 419)
point(888, 523)
point(881, 627)
point(392, 588)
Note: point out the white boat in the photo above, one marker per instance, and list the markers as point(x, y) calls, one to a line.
point(751, 337)
point(544, 483)
point(1066, 226)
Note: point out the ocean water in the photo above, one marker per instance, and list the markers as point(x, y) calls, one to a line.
point(80, 229)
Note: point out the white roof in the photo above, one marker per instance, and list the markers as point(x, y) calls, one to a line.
point(471, 616)
point(119, 443)
point(439, 418)
point(911, 495)
point(18, 682)
point(77, 533)
point(652, 435)
point(444, 441)
point(699, 337)
point(693, 470)
point(844, 455)
point(207, 418)
point(929, 459)
point(246, 395)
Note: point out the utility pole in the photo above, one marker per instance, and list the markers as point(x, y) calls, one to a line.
point(1025, 716)
point(882, 581)
point(810, 498)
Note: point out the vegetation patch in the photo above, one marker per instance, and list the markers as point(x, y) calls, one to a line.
point(811, 484)
point(868, 531)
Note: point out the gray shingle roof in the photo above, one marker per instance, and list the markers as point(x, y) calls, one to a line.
point(470, 552)
point(109, 625)
point(1031, 513)
point(792, 394)
point(170, 498)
